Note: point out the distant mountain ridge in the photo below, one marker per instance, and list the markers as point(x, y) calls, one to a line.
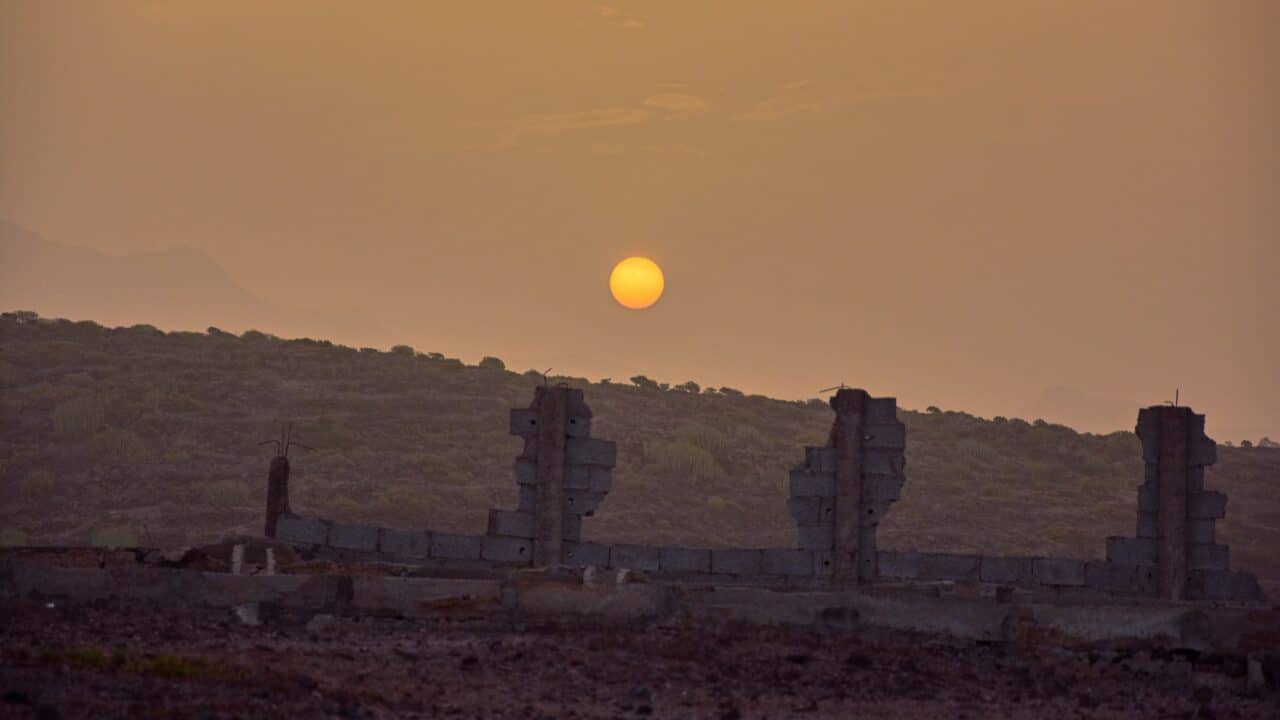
point(177, 288)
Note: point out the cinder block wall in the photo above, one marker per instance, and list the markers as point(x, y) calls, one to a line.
point(838, 496)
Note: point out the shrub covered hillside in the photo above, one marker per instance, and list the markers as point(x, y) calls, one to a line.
point(131, 435)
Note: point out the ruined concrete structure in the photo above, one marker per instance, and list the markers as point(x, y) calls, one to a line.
point(838, 496)
point(843, 489)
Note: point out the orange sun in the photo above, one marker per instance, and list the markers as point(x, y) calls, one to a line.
point(636, 283)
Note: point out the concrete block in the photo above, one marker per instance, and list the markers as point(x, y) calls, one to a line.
point(405, 543)
point(526, 471)
point(1147, 527)
point(524, 422)
point(1201, 532)
point(507, 549)
point(784, 561)
point(1206, 505)
point(455, 547)
point(899, 565)
point(578, 426)
point(595, 478)
point(948, 566)
point(1059, 571)
point(882, 489)
point(1148, 497)
point(820, 459)
point(634, 557)
point(571, 527)
point(816, 537)
point(1208, 557)
point(590, 451)
point(1202, 452)
point(823, 562)
point(736, 562)
point(582, 502)
point(1131, 551)
point(1148, 430)
point(601, 479)
point(1122, 579)
point(811, 484)
point(528, 501)
point(808, 510)
point(884, 435)
point(883, 461)
point(302, 530)
point(1223, 586)
point(354, 537)
point(1008, 570)
point(584, 554)
point(684, 560)
point(1195, 479)
point(510, 523)
point(879, 411)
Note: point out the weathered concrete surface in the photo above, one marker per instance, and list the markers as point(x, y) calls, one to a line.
point(567, 592)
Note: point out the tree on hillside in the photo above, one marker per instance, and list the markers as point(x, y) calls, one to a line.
point(689, 387)
point(644, 383)
point(489, 362)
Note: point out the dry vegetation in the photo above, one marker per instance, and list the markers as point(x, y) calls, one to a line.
point(132, 436)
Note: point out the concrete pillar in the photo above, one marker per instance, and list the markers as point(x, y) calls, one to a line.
point(277, 493)
point(1171, 508)
point(846, 436)
point(552, 407)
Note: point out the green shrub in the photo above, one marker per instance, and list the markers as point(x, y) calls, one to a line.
point(114, 536)
point(79, 417)
point(703, 436)
point(226, 493)
point(119, 446)
point(682, 459)
point(489, 362)
point(13, 537)
point(38, 485)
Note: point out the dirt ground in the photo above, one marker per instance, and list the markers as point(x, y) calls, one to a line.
point(113, 659)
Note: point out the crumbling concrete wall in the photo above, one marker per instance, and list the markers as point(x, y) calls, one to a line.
point(843, 489)
point(838, 496)
point(1174, 554)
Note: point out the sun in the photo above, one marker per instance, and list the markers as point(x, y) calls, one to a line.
point(636, 283)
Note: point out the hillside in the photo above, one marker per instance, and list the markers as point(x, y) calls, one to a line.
point(132, 435)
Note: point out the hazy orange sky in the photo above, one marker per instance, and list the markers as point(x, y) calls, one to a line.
point(1061, 209)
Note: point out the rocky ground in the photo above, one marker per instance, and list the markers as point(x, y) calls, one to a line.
point(113, 659)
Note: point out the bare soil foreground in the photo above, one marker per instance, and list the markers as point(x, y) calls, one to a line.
point(130, 659)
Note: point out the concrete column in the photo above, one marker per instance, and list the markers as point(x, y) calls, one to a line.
point(277, 493)
point(553, 421)
point(846, 436)
point(1171, 508)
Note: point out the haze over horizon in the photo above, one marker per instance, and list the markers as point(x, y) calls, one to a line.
point(999, 208)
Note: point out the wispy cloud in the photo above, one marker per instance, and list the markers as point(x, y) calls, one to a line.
point(779, 107)
point(677, 105)
point(557, 123)
point(617, 18)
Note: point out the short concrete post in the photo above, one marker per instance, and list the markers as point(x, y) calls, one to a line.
point(277, 493)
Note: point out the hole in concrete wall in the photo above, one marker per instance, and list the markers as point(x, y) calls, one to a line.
point(701, 471)
point(1009, 487)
